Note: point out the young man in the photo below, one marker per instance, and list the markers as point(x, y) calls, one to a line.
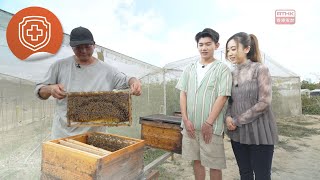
point(80, 73)
point(205, 86)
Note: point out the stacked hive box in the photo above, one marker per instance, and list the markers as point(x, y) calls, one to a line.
point(162, 131)
point(93, 156)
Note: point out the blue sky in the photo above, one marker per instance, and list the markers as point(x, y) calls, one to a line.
point(162, 31)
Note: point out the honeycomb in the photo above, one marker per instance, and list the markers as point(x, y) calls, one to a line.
point(108, 142)
point(108, 108)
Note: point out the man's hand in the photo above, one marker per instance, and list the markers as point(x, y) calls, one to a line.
point(206, 131)
point(135, 87)
point(231, 126)
point(57, 91)
point(190, 128)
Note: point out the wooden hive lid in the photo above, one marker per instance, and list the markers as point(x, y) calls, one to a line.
point(162, 118)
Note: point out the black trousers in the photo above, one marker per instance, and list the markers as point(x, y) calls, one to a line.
point(253, 160)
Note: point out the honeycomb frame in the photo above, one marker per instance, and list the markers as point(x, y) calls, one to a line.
point(85, 108)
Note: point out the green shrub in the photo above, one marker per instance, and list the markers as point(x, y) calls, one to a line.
point(310, 105)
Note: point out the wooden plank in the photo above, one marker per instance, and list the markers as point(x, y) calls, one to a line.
point(128, 165)
point(81, 148)
point(162, 118)
point(92, 123)
point(60, 148)
point(132, 148)
point(156, 162)
point(161, 125)
point(80, 138)
point(130, 109)
point(68, 158)
point(103, 152)
point(153, 175)
point(59, 172)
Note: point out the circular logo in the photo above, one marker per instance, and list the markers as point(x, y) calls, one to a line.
point(34, 30)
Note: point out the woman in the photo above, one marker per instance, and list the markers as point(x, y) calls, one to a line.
point(249, 119)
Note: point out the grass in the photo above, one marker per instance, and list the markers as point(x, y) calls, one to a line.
point(296, 130)
point(151, 154)
point(304, 145)
point(298, 126)
point(291, 130)
point(284, 144)
point(304, 123)
point(163, 174)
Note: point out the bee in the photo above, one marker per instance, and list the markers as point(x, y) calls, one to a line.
point(107, 108)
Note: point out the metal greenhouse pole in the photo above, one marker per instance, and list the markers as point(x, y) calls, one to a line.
point(164, 92)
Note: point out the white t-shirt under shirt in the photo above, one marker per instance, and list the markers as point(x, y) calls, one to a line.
point(201, 71)
point(98, 76)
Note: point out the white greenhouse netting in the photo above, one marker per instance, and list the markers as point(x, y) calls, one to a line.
point(285, 84)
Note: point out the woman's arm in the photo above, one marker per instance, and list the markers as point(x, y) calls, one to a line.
point(264, 98)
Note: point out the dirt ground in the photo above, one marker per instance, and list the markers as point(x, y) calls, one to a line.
point(296, 157)
point(20, 150)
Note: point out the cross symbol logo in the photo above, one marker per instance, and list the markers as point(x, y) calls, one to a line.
point(34, 32)
point(38, 31)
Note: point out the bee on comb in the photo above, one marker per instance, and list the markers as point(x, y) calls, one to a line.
point(103, 108)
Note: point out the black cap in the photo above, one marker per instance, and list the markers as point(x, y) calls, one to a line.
point(81, 35)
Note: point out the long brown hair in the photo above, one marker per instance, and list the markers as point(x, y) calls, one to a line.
point(247, 40)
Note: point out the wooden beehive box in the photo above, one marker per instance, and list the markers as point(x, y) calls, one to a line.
point(162, 131)
point(93, 156)
point(109, 108)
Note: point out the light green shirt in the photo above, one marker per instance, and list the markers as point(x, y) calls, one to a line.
point(200, 99)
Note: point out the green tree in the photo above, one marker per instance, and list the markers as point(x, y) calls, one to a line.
point(310, 86)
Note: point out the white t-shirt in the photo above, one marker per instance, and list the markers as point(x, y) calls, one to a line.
point(201, 71)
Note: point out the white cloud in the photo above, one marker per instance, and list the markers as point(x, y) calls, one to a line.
point(147, 22)
point(145, 35)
